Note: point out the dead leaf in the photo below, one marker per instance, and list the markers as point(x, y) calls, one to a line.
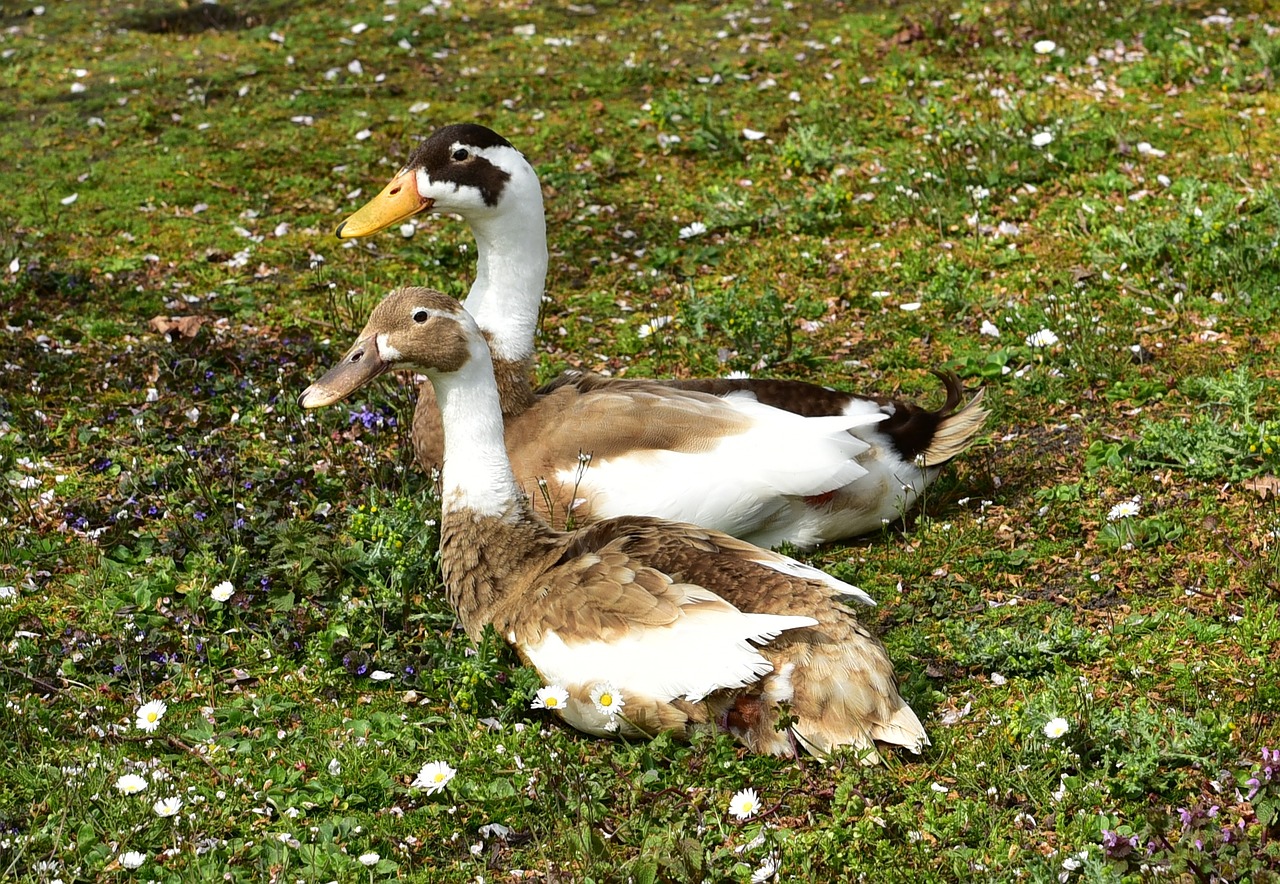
point(177, 327)
point(912, 33)
point(1264, 486)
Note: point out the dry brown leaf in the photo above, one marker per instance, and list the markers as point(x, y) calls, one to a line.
point(176, 327)
point(1264, 486)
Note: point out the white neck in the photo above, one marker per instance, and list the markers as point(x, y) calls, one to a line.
point(477, 472)
point(511, 269)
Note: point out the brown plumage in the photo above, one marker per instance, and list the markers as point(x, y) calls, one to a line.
point(472, 171)
point(688, 627)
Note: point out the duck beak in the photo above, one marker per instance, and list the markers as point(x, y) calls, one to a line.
point(362, 364)
point(398, 200)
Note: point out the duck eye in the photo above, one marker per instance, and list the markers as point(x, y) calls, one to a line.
point(460, 154)
point(420, 316)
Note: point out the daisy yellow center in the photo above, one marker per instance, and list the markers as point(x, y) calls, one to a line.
point(151, 716)
point(552, 701)
point(439, 778)
point(606, 700)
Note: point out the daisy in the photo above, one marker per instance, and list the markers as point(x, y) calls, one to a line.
point(222, 592)
point(989, 328)
point(653, 325)
point(149, 715)
point(1044, 47)
point(167, 807)
point(1125, 509)
point(1042, 338)
point(1056, 727)
point(433, 777)
point(697, 228)
point(607, 698)
point(1042, 139)
point(131, 784)
point(766, 872)
point(551, 697)
point(369, 859)
point(131, 859)
point(744, 804)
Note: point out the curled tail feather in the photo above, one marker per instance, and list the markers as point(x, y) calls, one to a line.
point(956, 430)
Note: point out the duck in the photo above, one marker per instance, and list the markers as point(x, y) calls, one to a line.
point(645, 624)
point(469, 170)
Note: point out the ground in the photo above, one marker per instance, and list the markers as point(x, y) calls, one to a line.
point(1069, 204)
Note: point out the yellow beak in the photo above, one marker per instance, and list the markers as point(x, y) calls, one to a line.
point(398, 200)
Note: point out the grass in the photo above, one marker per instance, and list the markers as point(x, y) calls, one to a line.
point(168, 160)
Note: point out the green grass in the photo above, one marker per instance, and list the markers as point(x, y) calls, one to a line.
point(898, 169)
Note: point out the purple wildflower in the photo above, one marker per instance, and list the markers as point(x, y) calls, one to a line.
point(1117, 846)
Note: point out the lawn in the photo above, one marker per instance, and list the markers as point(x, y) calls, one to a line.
point(1069, 204)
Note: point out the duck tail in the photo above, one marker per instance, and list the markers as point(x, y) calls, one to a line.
point(957, 428)
point(902, 728)
point(933, 437)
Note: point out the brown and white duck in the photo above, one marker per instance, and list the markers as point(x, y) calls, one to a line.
point(900, 447)
point(679, 626)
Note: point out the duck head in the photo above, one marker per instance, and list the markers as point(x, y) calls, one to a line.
point(463, 168)
point(412, 328)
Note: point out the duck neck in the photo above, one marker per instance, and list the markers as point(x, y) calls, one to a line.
point(487, 529)
point(511, 269)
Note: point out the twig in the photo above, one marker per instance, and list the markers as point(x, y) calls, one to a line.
point(38, 682)
point(172, 741)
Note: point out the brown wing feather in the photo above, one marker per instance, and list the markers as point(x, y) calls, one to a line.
point(600, 596)
point(845, 688)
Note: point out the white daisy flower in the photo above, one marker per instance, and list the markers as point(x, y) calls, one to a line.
point(369, 859)
point(551, 697)
point(989, 329)
point(767, 870)
point(222, 592)
point(1042, 139)
point(1042, 338)
point(653, 325)
point(1056, 727)
point(744, 804)
point(697, 228)
point(149, 715)
point(433, 777)
point(1125, 509)
point(131, 859)
point(607, 698)
point(167, 807)
point(1044, 47)
point(131, 784)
